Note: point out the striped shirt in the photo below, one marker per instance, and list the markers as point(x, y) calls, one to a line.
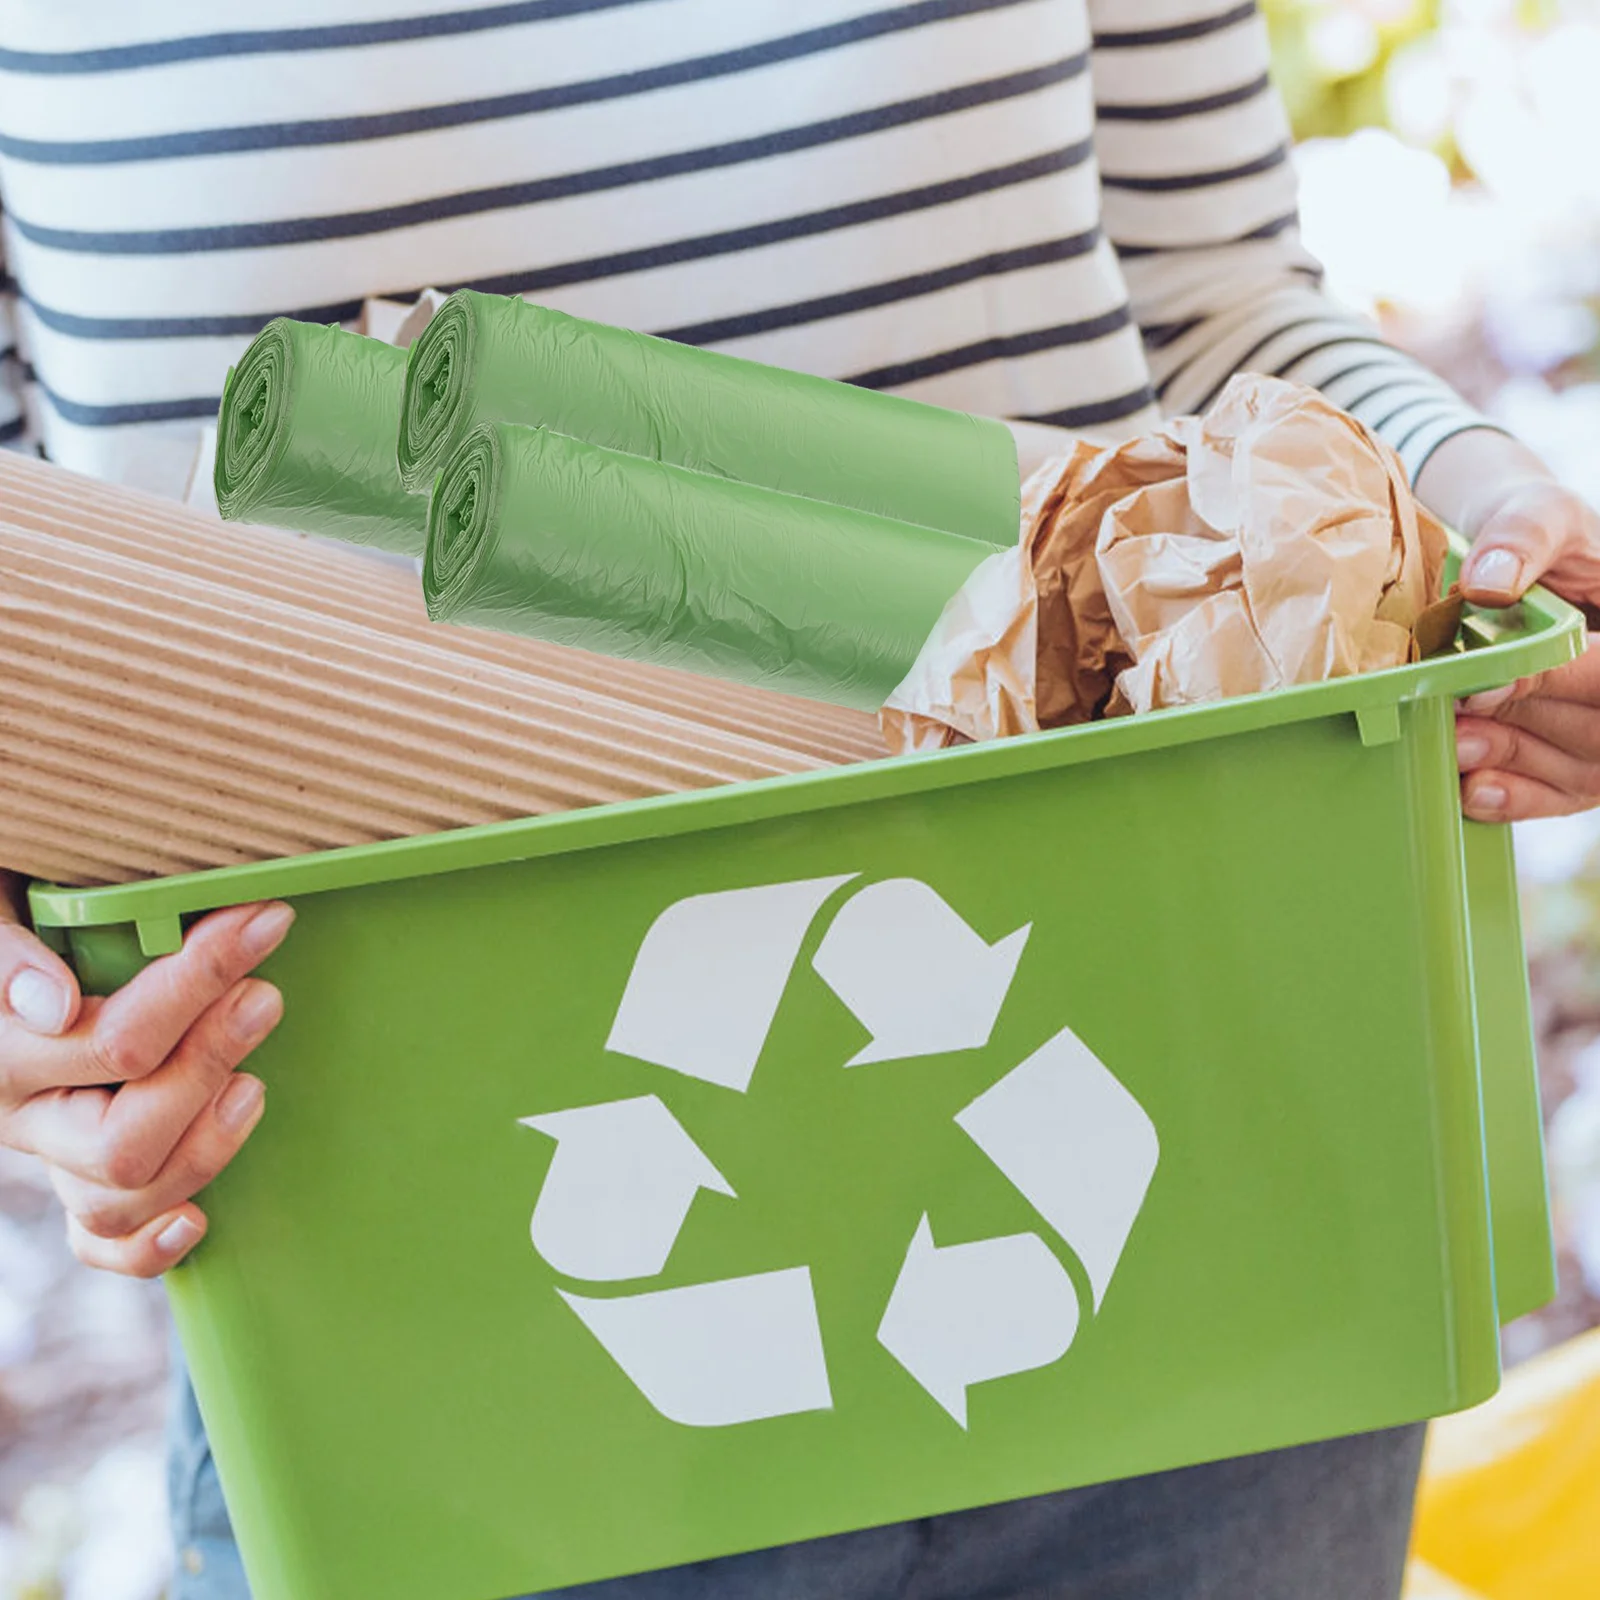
point(1077, 211)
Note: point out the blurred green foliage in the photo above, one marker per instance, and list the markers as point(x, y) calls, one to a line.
point(1331, 58)
point(1317, 50)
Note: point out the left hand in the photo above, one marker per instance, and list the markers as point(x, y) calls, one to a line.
point(1531, 749)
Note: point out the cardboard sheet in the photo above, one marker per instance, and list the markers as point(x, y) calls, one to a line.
point(176, 694)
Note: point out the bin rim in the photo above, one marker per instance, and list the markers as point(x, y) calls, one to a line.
point(1539, 632)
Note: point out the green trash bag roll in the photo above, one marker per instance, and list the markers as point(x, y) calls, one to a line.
point(495, 358)
point(532, 532)
point(305, 438)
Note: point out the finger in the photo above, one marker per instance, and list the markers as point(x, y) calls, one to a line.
point(122, 1138)
point(1503, 747)
point(1513, 549)
point(37, 988)
point(148, 1118)
point(31, 1064)
point(148, 1253)
point(213, 1139)
point(142, 1022)
point(1577, 681)
point(128, 1035)
point(1566, 724)
point(1492, 796)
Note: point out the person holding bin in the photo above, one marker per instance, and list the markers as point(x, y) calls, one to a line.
point(1075, 214)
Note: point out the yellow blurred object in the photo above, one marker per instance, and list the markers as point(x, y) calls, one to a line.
point(1428, 1583)
point(1509, 1507)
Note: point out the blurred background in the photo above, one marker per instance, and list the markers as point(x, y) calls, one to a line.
point(1450, 163)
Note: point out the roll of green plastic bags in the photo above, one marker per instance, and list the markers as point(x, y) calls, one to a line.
point(533, 532)
point(495, 358)
point(305, 438)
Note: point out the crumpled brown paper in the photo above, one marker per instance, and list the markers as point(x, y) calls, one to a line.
point(974, 678)
point(1273, 541)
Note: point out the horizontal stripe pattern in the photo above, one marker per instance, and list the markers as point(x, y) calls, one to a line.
point(112, 416)
point(377, 174)
point(452, 114)
point(933, 196)
point(1139, 147)
point(1114, 38)
point(998, 347)
point(159, 52)
point(1371, 381)
point(849, 301)
point(1199, 105)
point(539, 281)
point(1210, 248)
point(559, 186)
point(1099, 413)
point(13, 420)
point(1176, 182)
point(381, 80)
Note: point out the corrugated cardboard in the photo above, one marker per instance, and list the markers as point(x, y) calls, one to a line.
point(178, 694)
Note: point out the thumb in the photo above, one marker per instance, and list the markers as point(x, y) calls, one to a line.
point(37, 988)
point(1517, 543)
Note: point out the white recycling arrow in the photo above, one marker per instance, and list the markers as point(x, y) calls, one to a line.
point(1076, 1143)
point(619, 1188)
point(713, 1354)
point(913, 973)
point(708, 977)
point(971, 1312)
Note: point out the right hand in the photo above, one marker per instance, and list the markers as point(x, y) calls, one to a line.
point(133, 1101)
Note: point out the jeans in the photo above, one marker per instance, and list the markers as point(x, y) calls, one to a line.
point(1325, 1521)
point(208, 1566)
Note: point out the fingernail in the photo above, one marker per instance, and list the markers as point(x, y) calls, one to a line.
point(265, 931)
point(38, 1001)
point(1498, 571)
point(1471, 748)
point(1489, 700)
point(241, 1103)
point(178, 1236)
point(1488, 798)
point(255, 1013)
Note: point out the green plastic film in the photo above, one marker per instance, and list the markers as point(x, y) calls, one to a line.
point(534, 532)
point(305, 438)
point(493, 358)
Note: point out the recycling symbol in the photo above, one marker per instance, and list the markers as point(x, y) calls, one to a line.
point(700, 1001)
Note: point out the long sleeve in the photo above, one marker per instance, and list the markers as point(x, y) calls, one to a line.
point(11, 413)
point(1199, 200)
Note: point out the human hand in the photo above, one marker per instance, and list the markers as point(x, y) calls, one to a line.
point(1531, 749)
point(132, 1101)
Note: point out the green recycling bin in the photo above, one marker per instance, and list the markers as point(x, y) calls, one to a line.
point(684, 1177)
